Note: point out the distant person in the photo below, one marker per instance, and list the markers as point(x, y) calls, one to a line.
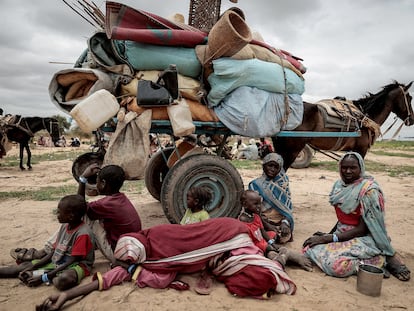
point(265, 147)
point(61, 142)
point(197, 199)
point(250, 152)
point(237, 146)
point(360, 235)
point(71, 255)
point(74, 142)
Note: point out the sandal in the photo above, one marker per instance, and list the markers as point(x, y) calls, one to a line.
point(179, 285)
point(26, 254)
point(398, 269)
point(204, 284)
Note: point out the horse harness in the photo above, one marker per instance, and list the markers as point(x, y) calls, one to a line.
point(345, 116)
point(407, 106)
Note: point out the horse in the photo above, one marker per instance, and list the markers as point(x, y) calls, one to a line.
point(377, 107)
point(23, 129)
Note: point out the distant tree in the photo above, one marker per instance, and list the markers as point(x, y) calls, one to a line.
point(64, 124)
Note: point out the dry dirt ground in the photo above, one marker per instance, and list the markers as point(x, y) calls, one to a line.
point(29, 223)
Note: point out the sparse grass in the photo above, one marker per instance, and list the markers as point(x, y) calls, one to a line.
point(42, 194)
point(370, 166)
point(247, 164)
point(55, 155)
point(393, 145)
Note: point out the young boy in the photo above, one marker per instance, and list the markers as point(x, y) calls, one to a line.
point(72, 254)
point(112, 215)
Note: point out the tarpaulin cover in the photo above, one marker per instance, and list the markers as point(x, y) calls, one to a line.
point(252, 112)
point(230, 74)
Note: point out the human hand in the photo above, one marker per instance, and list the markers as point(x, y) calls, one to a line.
point(25, 275)
point(91, 170)
point(34, 281)
point(284, 230)
point(53, 302)
point(317, 239)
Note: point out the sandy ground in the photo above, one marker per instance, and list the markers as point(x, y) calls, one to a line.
point(29, 224)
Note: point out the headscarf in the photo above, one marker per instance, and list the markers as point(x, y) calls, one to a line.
point(130, 249)
point(347, 196)
point(275, 157)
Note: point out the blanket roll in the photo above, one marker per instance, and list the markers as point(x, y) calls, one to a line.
point(69, 86)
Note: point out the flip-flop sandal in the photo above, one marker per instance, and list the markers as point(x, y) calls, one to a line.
point(18, 254)
point(179, 285)
point(204, 285)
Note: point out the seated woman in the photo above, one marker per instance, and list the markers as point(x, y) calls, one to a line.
point(360, 235)
point(277, 207)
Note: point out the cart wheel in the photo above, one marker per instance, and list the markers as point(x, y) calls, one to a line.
point(156, 171)
point(210, 171)
point(304, 158)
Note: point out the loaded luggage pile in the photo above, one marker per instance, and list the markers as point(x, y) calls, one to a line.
point(142, 68)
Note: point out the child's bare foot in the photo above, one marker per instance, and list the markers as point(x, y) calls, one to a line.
point(301, 260)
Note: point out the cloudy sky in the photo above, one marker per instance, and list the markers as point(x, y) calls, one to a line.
point(349, 47)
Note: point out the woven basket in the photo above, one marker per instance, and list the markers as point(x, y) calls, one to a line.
point(203, 14)
point(228, 36)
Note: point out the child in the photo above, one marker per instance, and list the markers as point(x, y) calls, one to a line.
point(112, 215)
point(265, 240)
point(197, 199)
point(251, 206)
point(72, 255)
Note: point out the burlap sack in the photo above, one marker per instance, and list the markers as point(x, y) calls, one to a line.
point(129, 146)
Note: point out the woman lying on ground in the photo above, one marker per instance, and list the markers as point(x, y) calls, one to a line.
point(220, 246)
point(360, 235)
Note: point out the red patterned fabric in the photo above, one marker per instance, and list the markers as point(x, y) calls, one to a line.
point(125, 23)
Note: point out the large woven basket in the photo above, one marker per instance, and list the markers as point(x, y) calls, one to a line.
point(203, 14)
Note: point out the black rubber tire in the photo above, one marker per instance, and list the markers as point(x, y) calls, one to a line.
point(156, 170)
point(304, 158)
point(211, 171)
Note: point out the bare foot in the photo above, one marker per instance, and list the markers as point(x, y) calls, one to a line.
point(301, 260)
point(397, 268)
point(281, 255)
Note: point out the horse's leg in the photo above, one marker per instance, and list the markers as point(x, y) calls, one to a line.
point(29, 156)
point(21, 146)
point(288, 148)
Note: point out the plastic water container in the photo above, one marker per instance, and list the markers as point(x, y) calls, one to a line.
point(95, 110)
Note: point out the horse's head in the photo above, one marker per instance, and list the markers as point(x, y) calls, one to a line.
point(403, 108)
point(52, 126)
